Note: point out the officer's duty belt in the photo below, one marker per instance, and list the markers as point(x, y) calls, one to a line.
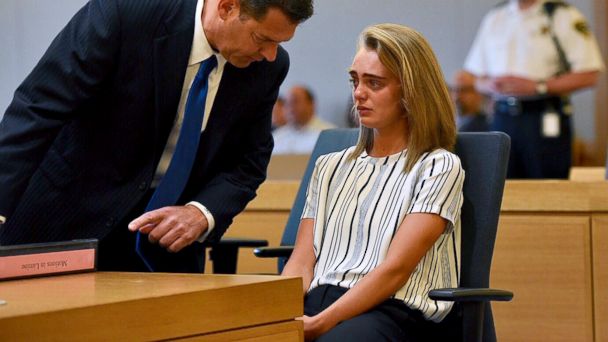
point(515, 106)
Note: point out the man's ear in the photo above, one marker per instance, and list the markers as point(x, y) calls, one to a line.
point(228, 8)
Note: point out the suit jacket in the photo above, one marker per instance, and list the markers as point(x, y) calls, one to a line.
point(80, 142)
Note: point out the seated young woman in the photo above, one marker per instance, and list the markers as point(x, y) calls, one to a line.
point(381, 223)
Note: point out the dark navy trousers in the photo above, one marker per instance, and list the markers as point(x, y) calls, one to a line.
point(391, 320)
point(532, 154)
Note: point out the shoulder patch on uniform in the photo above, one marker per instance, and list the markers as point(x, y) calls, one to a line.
point(545, 30)
point(582, 27)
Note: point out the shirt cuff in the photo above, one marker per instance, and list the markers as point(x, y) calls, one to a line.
point(208, 216)
point(2, 219)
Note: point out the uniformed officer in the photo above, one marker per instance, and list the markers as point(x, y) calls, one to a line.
point(530, 55)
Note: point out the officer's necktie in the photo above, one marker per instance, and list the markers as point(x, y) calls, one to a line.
point(174, 181)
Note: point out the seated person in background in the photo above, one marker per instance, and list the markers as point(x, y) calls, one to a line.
point(303, 126)
point(278, 113)
point(352, 118)
point(381, 224)
point(468, 103)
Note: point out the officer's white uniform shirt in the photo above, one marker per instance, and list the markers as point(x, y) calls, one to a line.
point(518, 43)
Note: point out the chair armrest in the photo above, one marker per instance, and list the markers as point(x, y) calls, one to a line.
point(224, 253)
point(273, 252)
point(240, 242)
point(473, 302)
point(462, 294)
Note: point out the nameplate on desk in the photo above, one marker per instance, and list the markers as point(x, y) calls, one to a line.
point(32, 260)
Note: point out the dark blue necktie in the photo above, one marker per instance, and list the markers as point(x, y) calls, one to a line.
point(174, 181)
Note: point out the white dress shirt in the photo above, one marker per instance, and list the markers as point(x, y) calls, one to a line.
point(291, 139)
point(201, 50)
point(511, 41)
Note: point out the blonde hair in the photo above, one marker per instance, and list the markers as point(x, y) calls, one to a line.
point(425, 97)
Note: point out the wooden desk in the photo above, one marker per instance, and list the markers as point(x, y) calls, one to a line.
point(287, 167)
point(551, 250)
point(142, 306)
point(587, 173)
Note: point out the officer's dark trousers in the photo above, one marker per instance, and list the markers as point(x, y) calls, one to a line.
point(392, 320)
point(532, 154)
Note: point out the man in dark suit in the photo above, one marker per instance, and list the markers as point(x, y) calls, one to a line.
point(92, 132)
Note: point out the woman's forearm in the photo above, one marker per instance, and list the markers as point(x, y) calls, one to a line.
point(415, 237)
point(373, 289)
point(293, 269)
point(302, 260)
point(568, 83)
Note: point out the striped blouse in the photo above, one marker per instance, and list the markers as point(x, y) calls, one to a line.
point(359, 204)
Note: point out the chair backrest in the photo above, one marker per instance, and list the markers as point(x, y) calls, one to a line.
point(330, 140)
point(484, 157)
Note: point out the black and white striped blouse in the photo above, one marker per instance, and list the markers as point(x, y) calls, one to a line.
point(359, 204)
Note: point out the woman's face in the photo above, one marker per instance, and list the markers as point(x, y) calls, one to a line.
point(376, 91)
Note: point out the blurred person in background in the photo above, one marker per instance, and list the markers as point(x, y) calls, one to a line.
point(278, 113)
point(470, 116)
point(303, 126)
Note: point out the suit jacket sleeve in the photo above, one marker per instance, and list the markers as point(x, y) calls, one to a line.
point(69, 73)
point(230, 191)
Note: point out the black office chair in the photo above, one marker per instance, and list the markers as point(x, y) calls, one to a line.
point(224, 254)
point(484, 158)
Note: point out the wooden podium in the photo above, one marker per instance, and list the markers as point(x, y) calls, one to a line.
point(151, 306)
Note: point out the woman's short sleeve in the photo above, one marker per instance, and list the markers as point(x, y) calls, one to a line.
point(438, 189)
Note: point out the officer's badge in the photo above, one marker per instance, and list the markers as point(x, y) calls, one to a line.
point(544, 30)
point(582, 27)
